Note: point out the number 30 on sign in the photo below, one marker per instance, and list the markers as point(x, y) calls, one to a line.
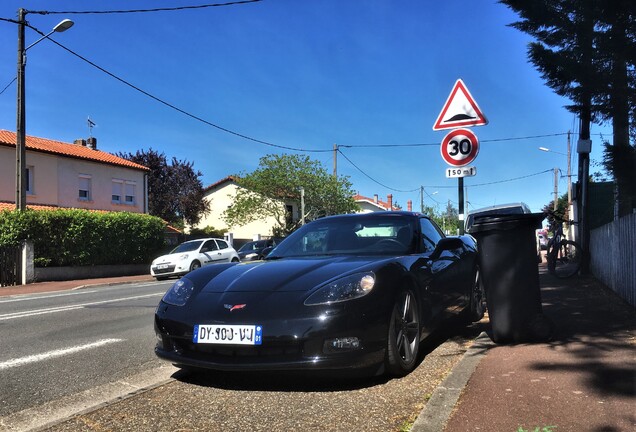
point(459, 147)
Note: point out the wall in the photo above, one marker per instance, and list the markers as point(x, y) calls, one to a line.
point(55, 181)
point(612, 257)
point(222, 197)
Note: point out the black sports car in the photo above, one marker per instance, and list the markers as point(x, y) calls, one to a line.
point(342, 292)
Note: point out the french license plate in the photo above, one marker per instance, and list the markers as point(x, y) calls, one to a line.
point(228, 334)
point(162, 266)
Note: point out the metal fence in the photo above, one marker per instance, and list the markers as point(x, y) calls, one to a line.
point(613, 256)
point(9, 265)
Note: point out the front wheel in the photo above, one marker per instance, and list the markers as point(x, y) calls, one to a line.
point(404, 335)
point(566, 260)
point(477, 298)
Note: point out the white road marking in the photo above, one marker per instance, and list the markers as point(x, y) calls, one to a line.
point(56, 353)
point(34, 312)
point(24, 297)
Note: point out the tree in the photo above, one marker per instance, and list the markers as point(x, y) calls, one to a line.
point(586, 51)
point(175, 191)
point(278, 181)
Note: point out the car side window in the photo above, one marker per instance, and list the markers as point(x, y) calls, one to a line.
point(430, 235)
point(222, 244)
point(209, 246)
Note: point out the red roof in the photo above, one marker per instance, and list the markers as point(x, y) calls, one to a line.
point(379, 203)
point(6, 205)
point(8, 138)
point(228, 179)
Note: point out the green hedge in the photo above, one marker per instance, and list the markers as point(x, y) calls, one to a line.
point(71, 237)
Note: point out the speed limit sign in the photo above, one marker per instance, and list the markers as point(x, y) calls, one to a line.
point(459, 147)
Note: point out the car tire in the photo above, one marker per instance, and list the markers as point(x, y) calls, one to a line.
point(235, 260)
point(195, 265)
point(403, 340)
point(477, 298)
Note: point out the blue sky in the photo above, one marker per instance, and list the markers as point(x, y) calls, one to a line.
point(305, 75)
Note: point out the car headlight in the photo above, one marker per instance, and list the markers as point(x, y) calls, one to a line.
point(183, 257)
point(179, 293)
point(347, 288)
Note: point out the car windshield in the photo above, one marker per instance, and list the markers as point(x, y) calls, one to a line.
point(365, 235)
point(187, 247)
point(248, 247)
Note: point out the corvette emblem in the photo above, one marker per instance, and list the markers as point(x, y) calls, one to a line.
point(232, 308)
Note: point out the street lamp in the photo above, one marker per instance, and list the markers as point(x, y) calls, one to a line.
point(569, 156)
point(20, 198)
point(302, 205)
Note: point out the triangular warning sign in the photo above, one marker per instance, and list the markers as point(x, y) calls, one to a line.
point(460, 110)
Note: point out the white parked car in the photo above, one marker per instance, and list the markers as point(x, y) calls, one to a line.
point(191, 255)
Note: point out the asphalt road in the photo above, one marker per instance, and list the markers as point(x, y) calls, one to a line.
point(283, 402)
point(56, 345)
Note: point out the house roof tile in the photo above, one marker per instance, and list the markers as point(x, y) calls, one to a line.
point(379, 203)
point(8, 138)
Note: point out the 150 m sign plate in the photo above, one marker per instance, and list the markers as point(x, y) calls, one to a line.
point(461, 172)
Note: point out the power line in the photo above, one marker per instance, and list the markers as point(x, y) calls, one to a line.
point(371, 178)
point(166, 9)
point(174, 107)
point(433, 186)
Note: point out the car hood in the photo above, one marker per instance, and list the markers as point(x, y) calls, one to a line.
point(289, 274)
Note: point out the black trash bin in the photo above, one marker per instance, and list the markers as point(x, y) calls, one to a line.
point(508, 261)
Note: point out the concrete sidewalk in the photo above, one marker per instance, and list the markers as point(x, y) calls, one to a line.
point(584, 379)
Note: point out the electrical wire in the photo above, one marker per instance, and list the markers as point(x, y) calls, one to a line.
point(174, 107)
point(166, 9)
point(371, 178)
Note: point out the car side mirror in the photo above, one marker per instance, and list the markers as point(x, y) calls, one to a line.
point(446, 244)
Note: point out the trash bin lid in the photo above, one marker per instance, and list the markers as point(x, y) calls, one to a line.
point(507, 222)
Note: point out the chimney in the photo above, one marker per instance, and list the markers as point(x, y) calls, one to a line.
point(375, 198)
point(92, 143)
point(389, 198)
point(409, 205)
point(80, 142)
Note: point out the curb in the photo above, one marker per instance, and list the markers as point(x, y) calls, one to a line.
point(440, 406)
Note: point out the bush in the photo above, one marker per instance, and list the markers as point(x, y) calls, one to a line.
point(72, 237)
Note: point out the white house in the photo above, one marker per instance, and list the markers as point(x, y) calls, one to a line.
point(221, 195)
point(73, 176)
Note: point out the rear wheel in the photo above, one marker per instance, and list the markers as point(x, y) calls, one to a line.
point(404, 335)
point(477, 298)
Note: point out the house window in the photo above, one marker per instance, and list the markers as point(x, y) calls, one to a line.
point(130, 193)
point(29, 180)
point(118, 191)
point(123, 192)
point(84, 189)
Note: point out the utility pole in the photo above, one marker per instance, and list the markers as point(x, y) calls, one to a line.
point(20, 147)
point(556, 188)
point(422, 199)
point(335, 160)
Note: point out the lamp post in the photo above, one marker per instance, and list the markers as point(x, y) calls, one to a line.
point(569, 156)
point(20, 198)
point(302, 205)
